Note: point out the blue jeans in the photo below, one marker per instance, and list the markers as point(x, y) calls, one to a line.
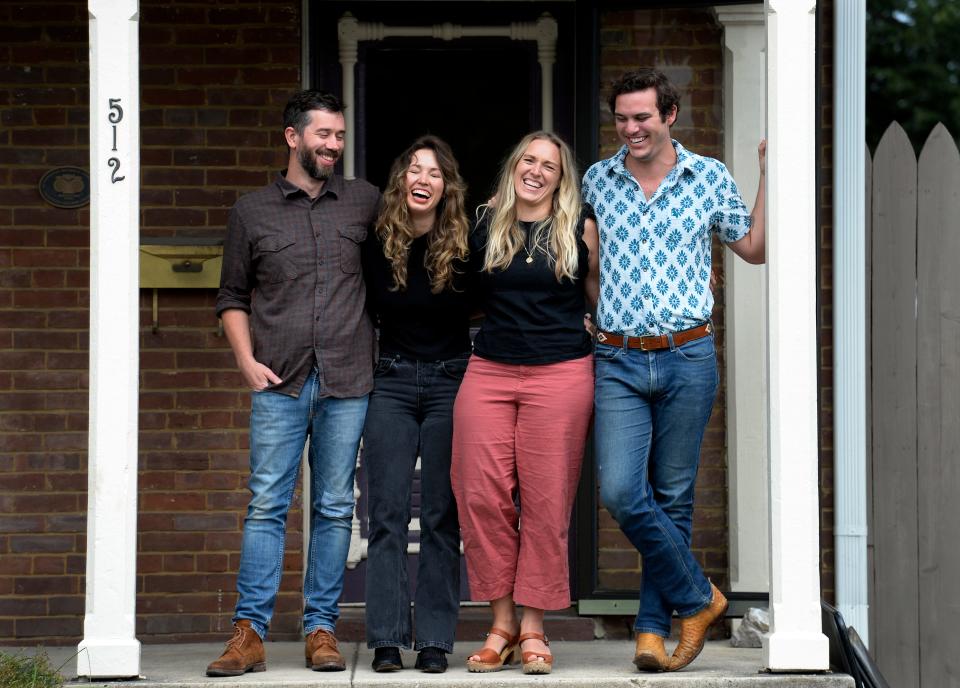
point(411, 414)
point(279, 428)
point(652, 409)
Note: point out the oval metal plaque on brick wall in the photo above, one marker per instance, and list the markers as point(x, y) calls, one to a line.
point(66, 187)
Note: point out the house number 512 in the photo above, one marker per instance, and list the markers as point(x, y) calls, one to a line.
point(114, 117)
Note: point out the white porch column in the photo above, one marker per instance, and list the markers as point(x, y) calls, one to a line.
point(795, 642)
point(546, 36)
point(109, 648)
point(349, 34)
point(744, 122)
point(849, 314)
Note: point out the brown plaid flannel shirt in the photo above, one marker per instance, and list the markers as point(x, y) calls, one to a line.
point(293, 264)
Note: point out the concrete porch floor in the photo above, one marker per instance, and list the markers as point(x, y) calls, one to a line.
point(579, 664)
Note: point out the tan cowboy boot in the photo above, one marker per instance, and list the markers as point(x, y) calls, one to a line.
point(651, 655)
point(321, 652)
point(244, 652)
point(693, 630)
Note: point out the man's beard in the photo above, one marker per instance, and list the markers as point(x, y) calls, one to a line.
point(308, 162)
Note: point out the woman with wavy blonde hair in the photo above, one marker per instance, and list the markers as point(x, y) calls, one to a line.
point(414, 266)
point(522, 413)
point(555, 236)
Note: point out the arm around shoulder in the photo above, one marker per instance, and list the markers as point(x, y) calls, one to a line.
point(592, 239)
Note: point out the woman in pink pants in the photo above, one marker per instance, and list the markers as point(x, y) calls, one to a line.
point(523, 410)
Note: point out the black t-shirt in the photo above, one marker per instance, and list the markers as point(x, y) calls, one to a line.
point(529, 316)
point(415, 322)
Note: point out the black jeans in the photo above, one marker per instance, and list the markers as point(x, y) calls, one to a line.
point(411, 414)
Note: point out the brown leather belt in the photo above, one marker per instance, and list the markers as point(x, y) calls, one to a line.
point(653, 342)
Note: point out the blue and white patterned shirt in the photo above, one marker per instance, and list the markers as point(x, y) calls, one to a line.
point(655, 255)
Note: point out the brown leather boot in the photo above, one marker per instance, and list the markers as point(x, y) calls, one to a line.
point(244, 652)
point(693, 630)
point(651, 655)
point(321, 652)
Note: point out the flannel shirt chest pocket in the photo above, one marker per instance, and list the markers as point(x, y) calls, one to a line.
point(351, 237)
point(274, 257)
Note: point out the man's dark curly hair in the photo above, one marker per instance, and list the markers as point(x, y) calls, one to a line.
point(297, 112)
point(668, 96)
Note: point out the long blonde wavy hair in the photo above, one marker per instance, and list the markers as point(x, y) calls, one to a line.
point(447, 241)
point(554, 236)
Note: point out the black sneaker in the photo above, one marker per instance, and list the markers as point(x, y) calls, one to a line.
point(386, 659)
point(431, 660)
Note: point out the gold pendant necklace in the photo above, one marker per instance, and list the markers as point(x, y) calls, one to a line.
point(526, 238)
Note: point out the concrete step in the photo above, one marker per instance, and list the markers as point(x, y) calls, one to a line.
point(578, 664)
point(474, 622)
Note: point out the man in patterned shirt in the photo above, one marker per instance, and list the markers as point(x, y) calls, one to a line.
point(292, 301)
point(658, 206)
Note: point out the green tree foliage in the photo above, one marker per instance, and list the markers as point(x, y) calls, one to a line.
point(913, 67)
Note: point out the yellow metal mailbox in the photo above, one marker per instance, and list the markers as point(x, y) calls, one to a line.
point(179, 263)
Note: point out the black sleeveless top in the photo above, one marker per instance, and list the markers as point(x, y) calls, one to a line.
point(530, 317)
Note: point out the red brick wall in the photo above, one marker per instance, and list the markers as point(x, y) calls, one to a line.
point(213, 83)
point(686, 44)
point(43, 322)
point(825, 305)
point(214, 80)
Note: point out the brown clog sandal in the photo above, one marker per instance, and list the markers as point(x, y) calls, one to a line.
point(536, 662)
point(491, 660)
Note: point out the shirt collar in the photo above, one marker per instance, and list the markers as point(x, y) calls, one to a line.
point(685, 161)
point(334, 185)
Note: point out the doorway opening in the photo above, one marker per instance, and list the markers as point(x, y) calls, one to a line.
point(481, 98)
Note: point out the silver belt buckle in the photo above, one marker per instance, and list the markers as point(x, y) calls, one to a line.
point(601, 337)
